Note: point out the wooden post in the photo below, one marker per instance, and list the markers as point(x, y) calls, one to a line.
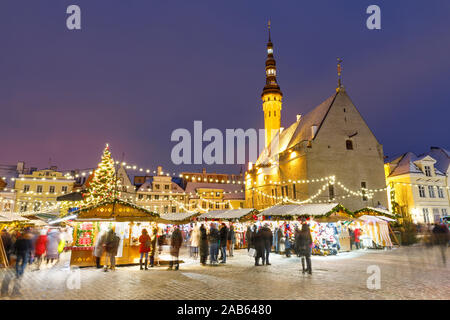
point(393, 234)
point(3, 257)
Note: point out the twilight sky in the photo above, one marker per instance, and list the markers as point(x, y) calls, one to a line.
point(140, 69)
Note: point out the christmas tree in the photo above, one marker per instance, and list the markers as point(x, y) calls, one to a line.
point(103, 184)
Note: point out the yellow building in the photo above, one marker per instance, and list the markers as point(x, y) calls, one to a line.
point(214, 196)
point(160, 194)
point(38, 191)
point(416, 188)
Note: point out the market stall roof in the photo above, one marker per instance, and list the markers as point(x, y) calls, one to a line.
point(374, 212)
point(386, 218)
point(373, 219)
point(232, 214)
point(73, 196)
point(116, 210)
point(11, 217)
point(308, 209)
point(178, 218)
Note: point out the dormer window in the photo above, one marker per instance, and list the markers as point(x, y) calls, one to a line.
point(427, 171)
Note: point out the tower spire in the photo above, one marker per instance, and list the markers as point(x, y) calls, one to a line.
point(271, 95)
point(339, 72)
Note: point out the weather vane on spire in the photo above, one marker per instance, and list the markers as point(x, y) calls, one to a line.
point(339, 70)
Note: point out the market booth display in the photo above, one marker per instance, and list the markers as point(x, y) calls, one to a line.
point(126, 219)
point(240, 218)
point(328, 223)
point(375, 224)
point(375, 232)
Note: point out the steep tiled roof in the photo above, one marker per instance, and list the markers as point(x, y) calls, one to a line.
point(300, 130)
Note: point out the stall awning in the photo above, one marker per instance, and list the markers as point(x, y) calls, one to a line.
point(178, 218)
point(319, 210)
point(11, 217)
point(234, 214)
point(116, 210)
point(374, 212)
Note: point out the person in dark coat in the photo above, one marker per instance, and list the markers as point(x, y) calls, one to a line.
point(223, 242)
point(213, 238)
point(175, 243)
point(267, 239)
point(249, 238)
point(304, 247)
point(22, 250)
point(259, 243)
point(203, 245)
point(297, 241)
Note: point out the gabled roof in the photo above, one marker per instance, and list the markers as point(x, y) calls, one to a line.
point(299, 131)
point(405, 164)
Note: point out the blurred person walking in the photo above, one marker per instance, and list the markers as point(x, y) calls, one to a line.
point(111, 246)
point(357, 235)
point(195, 241)
point(258, 241)
point(231, 241)
point(39, 248)
point(441, 238)
point(153, 240)
point(99, 248)
point(213, 239)
point(249, 238)
point(22, 250)
point(351, 234)
point(203, 245)
point(53, 239)
point(223, 242)
point(144, 248)
point(267, 239)
point(176, 241)
point(303, 243)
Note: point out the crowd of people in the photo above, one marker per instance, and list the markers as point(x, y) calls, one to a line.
point(31, 246)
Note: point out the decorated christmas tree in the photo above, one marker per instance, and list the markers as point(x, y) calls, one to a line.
point(103, 184)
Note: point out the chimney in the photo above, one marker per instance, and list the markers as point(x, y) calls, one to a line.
point(298, 117)
point(159, 170)
point(313, 131)
point(20, 167)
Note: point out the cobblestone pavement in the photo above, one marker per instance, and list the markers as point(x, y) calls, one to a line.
point(406, 273)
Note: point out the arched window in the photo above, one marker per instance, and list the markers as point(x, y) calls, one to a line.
point(349, 144)
point(275, 113)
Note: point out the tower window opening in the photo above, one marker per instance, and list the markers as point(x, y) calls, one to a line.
point(349, 144)
point(269, 113)
point(274, 113)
